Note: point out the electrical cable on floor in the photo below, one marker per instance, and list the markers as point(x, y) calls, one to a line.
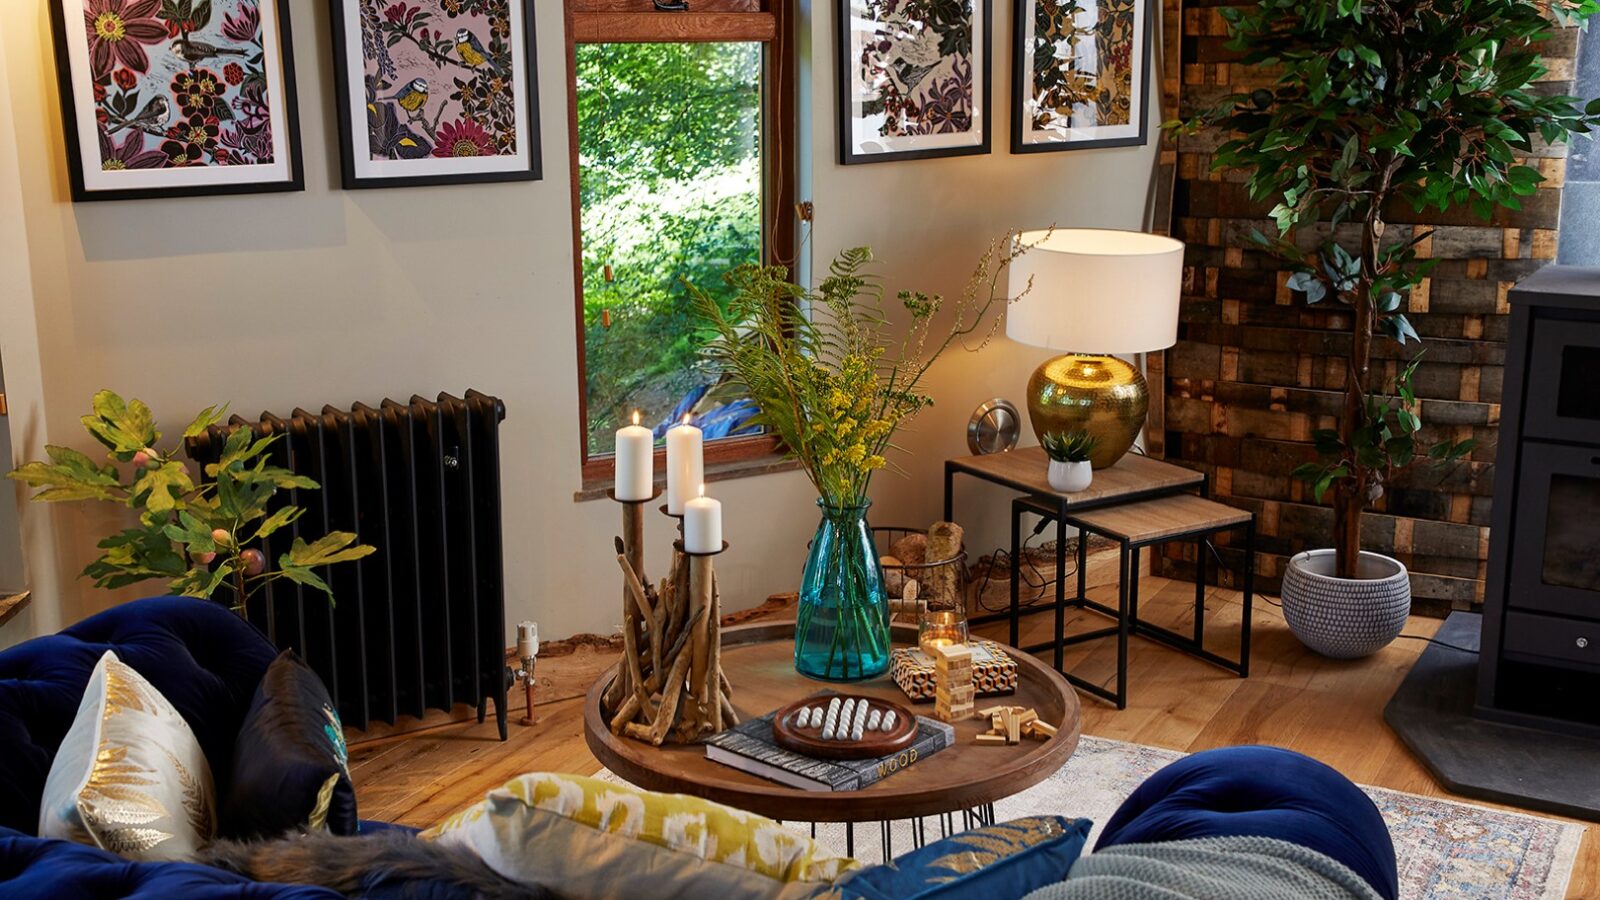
point(1025, 566)
point(1419, 637)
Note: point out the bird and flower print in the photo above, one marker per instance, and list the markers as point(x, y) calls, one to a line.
point(440, 86)
point(439, 78)
point(178, 83)
point(914, 73)
point(1084, 72)
point(160, 85)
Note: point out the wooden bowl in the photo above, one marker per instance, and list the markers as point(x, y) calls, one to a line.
point(873, 744)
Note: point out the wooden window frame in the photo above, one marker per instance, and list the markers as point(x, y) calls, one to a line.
point(770, 22)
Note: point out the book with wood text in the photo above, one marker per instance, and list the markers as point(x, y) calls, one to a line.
point(749, 747)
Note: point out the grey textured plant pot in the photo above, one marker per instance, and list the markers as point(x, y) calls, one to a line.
point(1345, 618)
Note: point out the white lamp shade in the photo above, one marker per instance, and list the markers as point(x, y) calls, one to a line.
point(1097, 291)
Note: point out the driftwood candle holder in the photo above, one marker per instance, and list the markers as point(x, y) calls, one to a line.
point(669, 685)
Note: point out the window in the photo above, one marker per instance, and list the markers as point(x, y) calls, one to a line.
point(682, 171)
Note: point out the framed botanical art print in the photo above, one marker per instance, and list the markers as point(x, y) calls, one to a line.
point(1080, 76)
point(913, 79)
point(436, 91)
point(173, 98)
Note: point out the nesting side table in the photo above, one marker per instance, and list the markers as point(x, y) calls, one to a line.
point(1137, 502)
point(1135, 526)
point(1133, 478)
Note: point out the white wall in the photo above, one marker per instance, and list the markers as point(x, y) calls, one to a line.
point(273, 301)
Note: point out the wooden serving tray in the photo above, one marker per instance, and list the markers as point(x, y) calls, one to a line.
point(873, 744)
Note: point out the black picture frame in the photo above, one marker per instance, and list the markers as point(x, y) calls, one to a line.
point(842, 77)
point(1022, 86)
point(349, 130)
point(72, 131)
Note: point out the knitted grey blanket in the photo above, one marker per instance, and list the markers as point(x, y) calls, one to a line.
point(1224, 868)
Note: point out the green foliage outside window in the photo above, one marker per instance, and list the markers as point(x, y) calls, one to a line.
point(670, 189)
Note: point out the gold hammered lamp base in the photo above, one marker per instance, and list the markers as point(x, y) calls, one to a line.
point(1102, 395)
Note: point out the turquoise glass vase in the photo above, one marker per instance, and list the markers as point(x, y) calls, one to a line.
point(842, 628)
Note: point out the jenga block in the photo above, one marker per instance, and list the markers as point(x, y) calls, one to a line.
point(991, 739)
point(1042, 727)
point(1013, 727)
point(962, 694)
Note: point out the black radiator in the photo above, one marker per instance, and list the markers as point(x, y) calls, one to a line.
point(420, 623)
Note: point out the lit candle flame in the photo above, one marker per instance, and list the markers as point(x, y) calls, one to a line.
point(687, 418)
point(636, 417)
point(702, 490)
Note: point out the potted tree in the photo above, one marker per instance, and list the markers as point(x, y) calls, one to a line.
point(1379, 105)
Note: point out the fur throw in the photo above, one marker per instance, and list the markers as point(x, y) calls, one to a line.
point(387, 864)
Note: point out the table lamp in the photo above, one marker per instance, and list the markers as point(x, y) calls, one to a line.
point(1096, 292)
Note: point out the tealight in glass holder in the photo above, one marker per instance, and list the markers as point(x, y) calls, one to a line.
point(941, 626)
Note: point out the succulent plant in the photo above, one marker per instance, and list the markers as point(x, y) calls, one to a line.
point(1070, 446)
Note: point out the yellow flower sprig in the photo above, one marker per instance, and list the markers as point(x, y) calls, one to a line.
point(819, 364)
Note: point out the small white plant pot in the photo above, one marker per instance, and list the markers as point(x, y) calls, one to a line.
point(1070, 477)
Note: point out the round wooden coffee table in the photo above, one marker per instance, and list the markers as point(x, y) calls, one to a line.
point(759, 662)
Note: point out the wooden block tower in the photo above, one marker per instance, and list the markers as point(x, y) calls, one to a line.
point(953, 688)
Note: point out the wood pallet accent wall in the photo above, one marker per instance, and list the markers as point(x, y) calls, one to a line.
point(1256, 369)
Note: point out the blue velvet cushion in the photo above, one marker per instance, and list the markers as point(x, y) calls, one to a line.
point(1005, 860)
point(290, 747)
point(199, 655)
point(1265, 792)
point(32, 868)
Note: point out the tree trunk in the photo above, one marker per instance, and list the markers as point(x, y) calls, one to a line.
point(1350, 496)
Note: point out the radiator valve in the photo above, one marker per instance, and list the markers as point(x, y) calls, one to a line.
point(527, 656)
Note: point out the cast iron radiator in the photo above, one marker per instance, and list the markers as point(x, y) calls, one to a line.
point(420, 623)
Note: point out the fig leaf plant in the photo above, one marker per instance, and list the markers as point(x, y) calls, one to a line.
point(197, 536)
point(1381, 108)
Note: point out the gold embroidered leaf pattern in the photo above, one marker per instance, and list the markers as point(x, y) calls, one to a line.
point(319, 813)
point(111, 767)
point(994, 843)
point(123, 841)
point(119, 805)
point(125, 691)
point(196, 798)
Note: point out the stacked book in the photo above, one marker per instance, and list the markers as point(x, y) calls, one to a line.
point(749, 747)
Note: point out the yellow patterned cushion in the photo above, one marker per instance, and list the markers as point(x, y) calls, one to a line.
point(582, 837)
point(129, 776)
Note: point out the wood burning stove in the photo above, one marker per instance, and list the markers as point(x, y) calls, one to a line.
point(1540, 661)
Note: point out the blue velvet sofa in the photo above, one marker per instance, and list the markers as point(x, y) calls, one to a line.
point(208, 662)
point(205, 660)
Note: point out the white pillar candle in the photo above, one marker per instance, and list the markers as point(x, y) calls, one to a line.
point(686, 465)
point(636, 462)
point(702, 524)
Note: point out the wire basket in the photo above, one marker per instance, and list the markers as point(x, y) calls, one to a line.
point(885, 537)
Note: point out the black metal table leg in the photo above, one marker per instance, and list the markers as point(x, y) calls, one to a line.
point(1124, 588)
point(1016, 573)
point(1249, 592)
point(1083, 564)
point(1200, 590)
point(1061, 591)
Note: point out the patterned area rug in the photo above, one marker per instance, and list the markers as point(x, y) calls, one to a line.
point(1444, 849)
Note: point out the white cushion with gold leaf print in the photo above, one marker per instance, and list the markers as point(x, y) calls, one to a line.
point(582, 837)
point(130, 776)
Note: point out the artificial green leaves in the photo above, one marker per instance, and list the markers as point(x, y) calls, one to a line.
point(197, 537)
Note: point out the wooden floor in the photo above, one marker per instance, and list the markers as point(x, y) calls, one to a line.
point(1328, 709)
